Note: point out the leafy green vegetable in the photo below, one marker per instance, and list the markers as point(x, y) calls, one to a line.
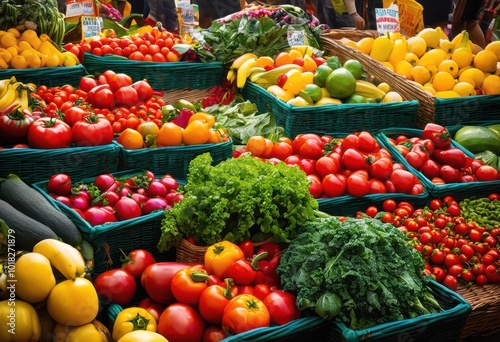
point(238, 199)
point(367, 263)
point(242, 120)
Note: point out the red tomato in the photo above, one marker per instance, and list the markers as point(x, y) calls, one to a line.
point(126, 208)
point(126, 96)
point(74, 114)
point(245, 312)
point(281, 150)
point(416, 159)
point(312, 149)
point(487, 173)
point(403, 180)
point(213, 301)
point(115, 286)
point(281, 306)
point(92, 131)
point(87, 83)
point(334, 185)
point(453, 157)
point(353, 160)
point(137, 261)
point(156, 280)
point(181, 323)
point(326, 165)
point(101, 96)
point(449, 174)
point(300, 139)
point(367, 142)
point(381, 169)
point(357, 183)
point(450, 282)
point(315, 188)
point(59, 184)
point(154, 309)
point(49, 133)
point(119, 80)
point(143, 89)
point(96, 216)
point(389, 205)
point(187, 286)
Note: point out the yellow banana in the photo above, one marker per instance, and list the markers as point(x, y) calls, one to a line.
point(255, 76)
point(238, 62)
point(271, 77)
point(10, 95)
point(22, 98)
point(255, 70)
point(4, 85)
point(242, 72)
point(62, 256)
point(231, 75)
point(368, 89)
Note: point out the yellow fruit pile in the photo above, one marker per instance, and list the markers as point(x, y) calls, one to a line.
point(437, 65)
point(28, 50)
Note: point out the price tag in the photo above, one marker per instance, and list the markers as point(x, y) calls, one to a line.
point(91, 26)
point(296, 37)
point(387, 20)
point(80, 7)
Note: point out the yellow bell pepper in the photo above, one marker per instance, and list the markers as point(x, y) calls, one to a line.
point(19, 322)
point(132, 319)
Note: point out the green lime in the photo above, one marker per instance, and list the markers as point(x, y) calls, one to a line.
point(321, 74)
point(355, 67)
point(340, 83)
point(314, 91)
point(355, 98)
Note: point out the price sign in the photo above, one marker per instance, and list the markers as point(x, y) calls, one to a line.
point(80, 7)
point(91, 26)
point(296, 37)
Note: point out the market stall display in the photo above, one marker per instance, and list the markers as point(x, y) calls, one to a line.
point(179, 185)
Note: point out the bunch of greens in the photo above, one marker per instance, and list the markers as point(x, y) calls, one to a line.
point(242, 120)
point(239, 198)
point(361, 271)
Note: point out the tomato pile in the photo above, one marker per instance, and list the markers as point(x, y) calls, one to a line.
point(113, 199)
point(456, 250)
point(155, 45)
point(434, 155)
point(354, 165)
point(234, 290)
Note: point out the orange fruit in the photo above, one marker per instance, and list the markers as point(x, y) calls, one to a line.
point(197, 132)
point(169, 135)
point(265, 61)
point(443, 81)
point(283, 58)
point(130, 139)
point(491, 85)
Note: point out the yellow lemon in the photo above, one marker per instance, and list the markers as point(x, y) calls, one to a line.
point(404, 68)
point(18, 62)
point(464, 89)
point(447, 94)
point(365, 45)
point(384, 86)
point(431, 37)
point(443, 81)
point(449, 66)
point(486, 61)
point(420, 74)
point(432, 69)
point(462, 56)
point(416, 45)
point(491, 85)
point(411, 58)
point(495, 48)
point(473, 76)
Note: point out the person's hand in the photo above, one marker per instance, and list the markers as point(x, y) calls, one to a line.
point(359, 22)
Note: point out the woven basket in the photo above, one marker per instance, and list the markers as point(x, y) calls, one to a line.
point(467, 110)
point(485, 302)
point(51, 77)
point(173, 160)
point(36, 165)
point(458, 190)
point(110, 239)
point(188, 253)
point(442, 326)
point(426, 110)
point(349, 33)
point(332, 117)
point(161, 76)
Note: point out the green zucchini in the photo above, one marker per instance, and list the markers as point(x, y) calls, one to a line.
point(87, 251)
point(27, 231)
point(477, 139)
point(33, 204)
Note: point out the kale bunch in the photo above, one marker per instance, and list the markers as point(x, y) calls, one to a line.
point(239, 198)
point(365, 264)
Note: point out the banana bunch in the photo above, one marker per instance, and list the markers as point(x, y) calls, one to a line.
point(14, 93)
point(369, 90)
point(63, 257)
point(238, 70)
point(268, 78)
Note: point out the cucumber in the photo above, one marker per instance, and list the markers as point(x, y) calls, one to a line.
point(27, 231)
point(477, 139)
point(33, 204)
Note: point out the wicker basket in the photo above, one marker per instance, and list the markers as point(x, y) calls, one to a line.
point(442, 326)
point(458, 190)
point(51, 77)
point(485, 302)
point(36, 165)
point(160, 75)
point(349, 33)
